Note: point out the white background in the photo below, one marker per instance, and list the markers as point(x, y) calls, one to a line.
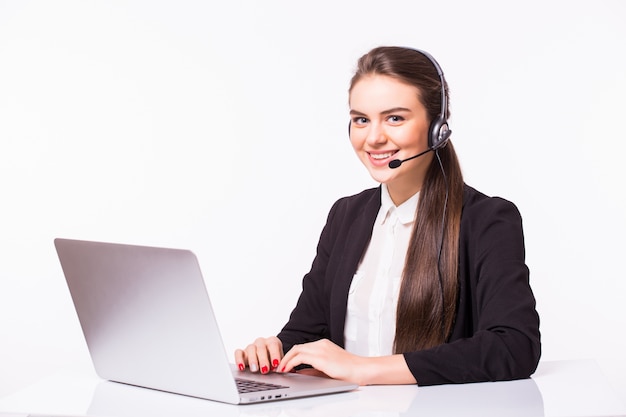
point(221, 127)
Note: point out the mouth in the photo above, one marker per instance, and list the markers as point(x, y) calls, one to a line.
point(381, 158)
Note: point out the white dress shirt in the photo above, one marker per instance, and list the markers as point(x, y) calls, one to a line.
point(373, 297)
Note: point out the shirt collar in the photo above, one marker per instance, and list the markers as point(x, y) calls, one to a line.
point(405, 211)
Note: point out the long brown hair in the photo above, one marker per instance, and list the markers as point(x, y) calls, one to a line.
point(428, 294)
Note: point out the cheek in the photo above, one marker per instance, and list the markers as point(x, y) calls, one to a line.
point(356, 140)
point(417, 137)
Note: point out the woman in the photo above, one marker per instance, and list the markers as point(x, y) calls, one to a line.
point(423, 279)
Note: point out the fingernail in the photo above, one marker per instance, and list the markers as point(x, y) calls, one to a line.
point(283, 370)
point(241, 367)
point(275, 363)
point(264, 370)
point(254, 367)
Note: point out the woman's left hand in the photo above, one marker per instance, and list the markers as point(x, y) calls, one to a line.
point(325, 357)
point(329, 359)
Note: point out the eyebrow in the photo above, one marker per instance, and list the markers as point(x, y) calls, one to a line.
point(384, 112)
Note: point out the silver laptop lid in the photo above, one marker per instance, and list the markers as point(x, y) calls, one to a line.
point(146, 317)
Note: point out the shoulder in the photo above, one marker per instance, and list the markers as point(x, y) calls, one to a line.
point(477, 206)
point(491, 225)
point(357, 203)
point(358, 210)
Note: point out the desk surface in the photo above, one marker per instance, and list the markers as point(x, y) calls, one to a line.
point(559, 388)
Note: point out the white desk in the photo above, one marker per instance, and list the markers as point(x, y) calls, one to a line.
point(560, 388)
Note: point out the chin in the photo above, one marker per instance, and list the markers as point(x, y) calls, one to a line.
point(381, 177)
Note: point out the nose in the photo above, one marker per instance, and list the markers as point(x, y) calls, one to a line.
point(375, 135)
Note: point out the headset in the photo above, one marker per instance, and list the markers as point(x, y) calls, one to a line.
point(439, 131)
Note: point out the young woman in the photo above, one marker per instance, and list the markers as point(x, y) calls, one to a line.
point(422, 279)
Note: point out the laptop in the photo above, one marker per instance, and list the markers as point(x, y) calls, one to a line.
point(148, 321)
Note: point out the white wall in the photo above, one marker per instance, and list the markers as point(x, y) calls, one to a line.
point(222, 127)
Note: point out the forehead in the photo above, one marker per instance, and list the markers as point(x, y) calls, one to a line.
point(381, 91)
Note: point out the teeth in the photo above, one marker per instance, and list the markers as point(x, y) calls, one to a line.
point(382, 155)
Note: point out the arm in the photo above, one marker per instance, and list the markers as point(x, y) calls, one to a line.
point(311, 318)
point(333, 361)
point(306, 323)
point(496, 335)
point(321, 309)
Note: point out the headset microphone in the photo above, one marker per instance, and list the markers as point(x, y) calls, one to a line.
point(397, 162)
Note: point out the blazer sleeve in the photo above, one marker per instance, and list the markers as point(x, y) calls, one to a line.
point(496, 333)
point(310, 317)
point(321, 308)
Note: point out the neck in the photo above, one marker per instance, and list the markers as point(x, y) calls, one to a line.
point(406, 185)
point(400, 193)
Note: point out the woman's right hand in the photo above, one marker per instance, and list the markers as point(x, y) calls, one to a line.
point(263, 355)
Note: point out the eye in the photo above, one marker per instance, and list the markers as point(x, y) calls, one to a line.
point(395, 119)
point(359, 120)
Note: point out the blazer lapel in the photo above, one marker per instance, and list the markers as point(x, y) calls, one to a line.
point(356, 241)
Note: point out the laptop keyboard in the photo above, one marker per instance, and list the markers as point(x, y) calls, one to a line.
point(247, 385)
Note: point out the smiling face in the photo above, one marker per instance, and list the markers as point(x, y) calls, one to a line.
point(389, 122)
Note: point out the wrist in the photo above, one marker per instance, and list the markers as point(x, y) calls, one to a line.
point(383, 370)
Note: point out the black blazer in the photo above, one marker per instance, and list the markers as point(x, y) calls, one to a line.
point(496, 331)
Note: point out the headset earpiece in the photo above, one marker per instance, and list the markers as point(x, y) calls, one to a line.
point(439, 133)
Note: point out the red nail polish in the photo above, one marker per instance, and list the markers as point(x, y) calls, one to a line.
point(283, 370)
point(241, 367)
point(275, 363)
point(264, 370)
